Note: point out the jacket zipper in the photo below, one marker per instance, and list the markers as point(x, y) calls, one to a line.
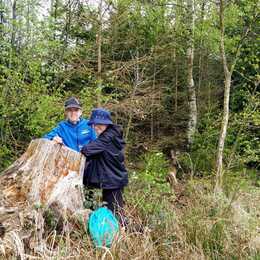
point(77, 136)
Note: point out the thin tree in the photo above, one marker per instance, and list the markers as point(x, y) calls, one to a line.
point(99, 52)
point(192, 124)
point(1, 17)
point(200, 70)
point(14, 27)
point(137, 82)
point(227, 84)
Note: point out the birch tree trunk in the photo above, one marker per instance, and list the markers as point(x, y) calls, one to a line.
point(227, 84)
point(14, 27)
point(192, 124)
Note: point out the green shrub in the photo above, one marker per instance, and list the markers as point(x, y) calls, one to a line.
point(46, 112)
point(151, 186)
point(156, 170)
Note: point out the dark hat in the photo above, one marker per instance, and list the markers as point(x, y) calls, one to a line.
point(100, 116)
point(72, 102)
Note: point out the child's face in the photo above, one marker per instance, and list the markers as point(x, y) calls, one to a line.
point(100, 129)
point(73, 114)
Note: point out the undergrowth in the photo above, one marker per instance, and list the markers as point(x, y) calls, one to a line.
point(184, 222)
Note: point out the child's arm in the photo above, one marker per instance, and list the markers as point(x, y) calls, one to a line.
point(54, 132)
point(93, 148)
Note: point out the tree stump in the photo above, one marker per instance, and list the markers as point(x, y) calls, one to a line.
point(47, 175)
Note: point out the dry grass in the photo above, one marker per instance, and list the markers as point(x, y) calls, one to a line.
point(193, 224)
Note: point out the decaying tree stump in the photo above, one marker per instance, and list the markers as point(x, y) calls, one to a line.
point(47, 175)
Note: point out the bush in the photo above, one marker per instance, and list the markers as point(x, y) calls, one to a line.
point(155, 172)
point(150, 186)
point(46, 112)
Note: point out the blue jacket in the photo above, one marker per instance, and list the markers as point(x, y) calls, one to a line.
point(105, 167)
point(73, 136)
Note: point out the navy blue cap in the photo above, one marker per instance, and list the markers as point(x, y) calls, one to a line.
point(72, 103)
point(100, 116)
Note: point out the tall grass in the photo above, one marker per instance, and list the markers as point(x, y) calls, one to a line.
point(186, 223)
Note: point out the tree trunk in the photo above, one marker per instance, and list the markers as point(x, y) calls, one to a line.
point(152, 103)
point(67, 26)
point(1, 19)
point(192, 124)
point(28, 26)
point(54, 14)
point(14, 27)
point(99, 54)
point(201, 50)
point(223, 133)
point(176, 81)
point(136, 84)
point(224, 124)
point(227, 82)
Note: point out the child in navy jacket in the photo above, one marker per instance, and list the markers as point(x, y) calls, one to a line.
point(105, 167)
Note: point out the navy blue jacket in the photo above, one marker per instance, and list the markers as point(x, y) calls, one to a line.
point(74, 136)
point(105, 160)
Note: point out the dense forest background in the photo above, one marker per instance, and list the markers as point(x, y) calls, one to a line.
point(158, 65)
point(131, 57)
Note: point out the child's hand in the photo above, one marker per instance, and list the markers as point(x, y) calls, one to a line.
point(57, 140)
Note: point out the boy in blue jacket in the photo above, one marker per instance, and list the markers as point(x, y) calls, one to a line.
point(105, 167)
point(74, 132)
